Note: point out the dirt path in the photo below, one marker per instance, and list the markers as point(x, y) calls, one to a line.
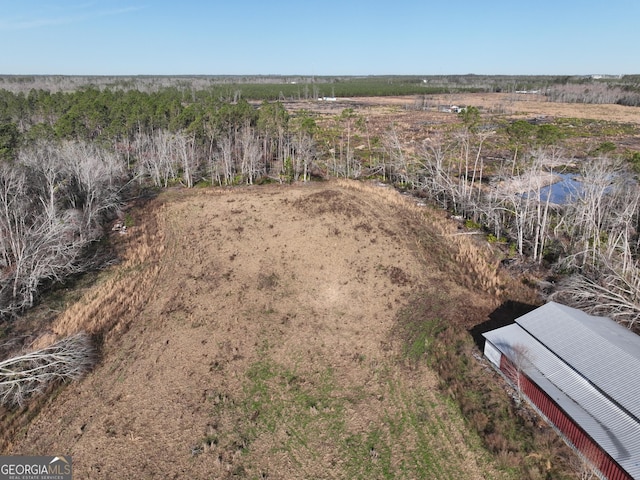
point(265, 345)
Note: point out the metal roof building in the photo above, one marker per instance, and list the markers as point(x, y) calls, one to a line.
point(583, 374)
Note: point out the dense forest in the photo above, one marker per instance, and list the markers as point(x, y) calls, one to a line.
point(621, 89)
point(71, 158)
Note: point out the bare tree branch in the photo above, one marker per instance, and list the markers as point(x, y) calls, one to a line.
point(30, 374)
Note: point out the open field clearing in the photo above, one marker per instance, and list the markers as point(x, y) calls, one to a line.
point(258, 333)
point(512, 104)
point(317, 329)
point(418, 118)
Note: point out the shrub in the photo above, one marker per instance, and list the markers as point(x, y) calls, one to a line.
point(472, 225)
point(128, 220)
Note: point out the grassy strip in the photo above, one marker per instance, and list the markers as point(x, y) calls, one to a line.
point(524, 446)
point(306, 418)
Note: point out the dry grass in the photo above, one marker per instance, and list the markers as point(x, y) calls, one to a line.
point(471, 260)
point(124, 290)
point(259, 333)
point(517, 105)
point(104, 311)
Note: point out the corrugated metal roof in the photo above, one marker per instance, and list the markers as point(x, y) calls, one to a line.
point(601, 350)
point(610, 426)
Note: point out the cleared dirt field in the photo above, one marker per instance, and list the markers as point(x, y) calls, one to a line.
point(416, 118)
point(257, 333)
point(523, 105)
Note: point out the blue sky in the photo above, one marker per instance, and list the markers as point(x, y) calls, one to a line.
point(348, 37)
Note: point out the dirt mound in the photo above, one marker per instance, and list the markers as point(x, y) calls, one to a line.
point(255, 334)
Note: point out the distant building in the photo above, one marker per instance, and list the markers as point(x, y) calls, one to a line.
point(581, 373)
point(451, 109)
point(605, 77)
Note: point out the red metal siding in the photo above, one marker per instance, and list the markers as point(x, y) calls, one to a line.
point(565, 424)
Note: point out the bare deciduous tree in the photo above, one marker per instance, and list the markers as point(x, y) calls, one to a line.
point(156, 157)
point(604, 291)
point(43, 158)
point(222, 165)
point(52, 203)
point(436, 177)
point(302, 154)
point(399, 168)
point(590, 210)
point(30, 374)
point(184, 149)
point(251, 165)
point(97, 176)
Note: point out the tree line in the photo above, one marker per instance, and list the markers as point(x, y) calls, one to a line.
point(595, 93)
point(68, 158)
point(67, 162)
point(589, 240)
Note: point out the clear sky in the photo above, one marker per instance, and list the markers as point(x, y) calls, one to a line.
point(330, 37)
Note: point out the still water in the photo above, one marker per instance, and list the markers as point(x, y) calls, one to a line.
point(563, 190)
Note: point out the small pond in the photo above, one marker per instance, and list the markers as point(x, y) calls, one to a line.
point(563, 190)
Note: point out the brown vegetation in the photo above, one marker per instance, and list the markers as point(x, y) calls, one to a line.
point(520, 105)
point(299, 331)
point(263, 331)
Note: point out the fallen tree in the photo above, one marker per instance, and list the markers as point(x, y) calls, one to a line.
point(605, 291)
point(24, 376)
